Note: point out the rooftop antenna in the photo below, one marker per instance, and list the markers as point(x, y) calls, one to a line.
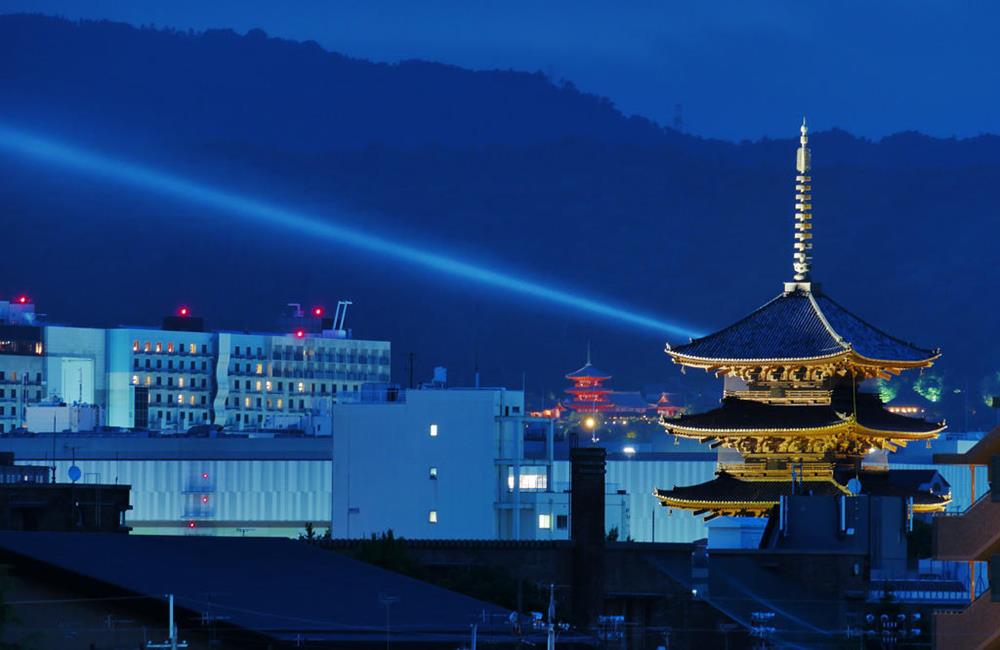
point(802, 259)
point(341, 314)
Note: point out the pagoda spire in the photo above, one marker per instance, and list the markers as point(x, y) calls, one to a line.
point(802, 259)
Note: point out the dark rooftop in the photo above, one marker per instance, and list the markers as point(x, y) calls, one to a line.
point(801, 325)
point(276, 587)
point(588, 371)
point(744, 414)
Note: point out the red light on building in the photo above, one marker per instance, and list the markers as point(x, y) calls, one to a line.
point(22, 300)
point(204, 499)
point(317, 312)
point(300, 334)
point(184, 312)
point(204, 475)
point(191, 524)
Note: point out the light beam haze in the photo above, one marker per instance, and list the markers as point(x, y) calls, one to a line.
point(49, 151)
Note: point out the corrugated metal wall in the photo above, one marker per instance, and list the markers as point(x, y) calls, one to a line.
point(639, 478)
point(268, 492)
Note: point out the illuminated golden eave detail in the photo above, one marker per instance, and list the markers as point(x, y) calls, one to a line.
point(845, 360)
point(849, 426)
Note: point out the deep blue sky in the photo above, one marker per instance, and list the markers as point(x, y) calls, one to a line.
point(739, 69)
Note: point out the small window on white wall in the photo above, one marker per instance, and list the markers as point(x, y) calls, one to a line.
point(545, 521)
point(432, 516)
point(434, 430)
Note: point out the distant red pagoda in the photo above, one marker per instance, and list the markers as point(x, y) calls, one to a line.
point(588, 391)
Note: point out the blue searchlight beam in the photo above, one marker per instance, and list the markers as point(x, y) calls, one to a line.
point(247, 208)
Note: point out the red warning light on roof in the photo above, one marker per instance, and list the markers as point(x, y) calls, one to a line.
point(191, 524)
point(22, 300)
point(183, 311)
point(300, 334)
point(204, 475)
point(317, 311)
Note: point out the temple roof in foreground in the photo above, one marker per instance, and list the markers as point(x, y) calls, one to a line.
point(737, 416)
point(729, 495)
point(801, 325)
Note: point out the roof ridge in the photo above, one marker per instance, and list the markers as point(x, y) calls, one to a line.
point(829, 328)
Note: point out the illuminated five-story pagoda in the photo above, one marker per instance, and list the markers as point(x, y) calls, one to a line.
point(792, 406)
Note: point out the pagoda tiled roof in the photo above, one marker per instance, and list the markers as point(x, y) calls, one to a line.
point(801, 325)
point(747, 415)
point(588, 372)
point(727, 490)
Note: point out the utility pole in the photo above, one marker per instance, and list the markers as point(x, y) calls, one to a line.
point(387, 601)
point(171, 643)
point(551, 641)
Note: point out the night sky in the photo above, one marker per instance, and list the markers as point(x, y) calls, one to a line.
point(739, 70)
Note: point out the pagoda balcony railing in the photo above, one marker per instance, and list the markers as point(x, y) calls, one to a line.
point(784, 396)
point(760, 471)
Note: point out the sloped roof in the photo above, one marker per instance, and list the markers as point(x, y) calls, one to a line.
point(801, 325)
point(727, 489)
point(277, 587)
point(746, 415)
point(589, 372)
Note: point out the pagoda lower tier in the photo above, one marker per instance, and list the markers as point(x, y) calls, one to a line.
point(846, 428)
point(735, 492)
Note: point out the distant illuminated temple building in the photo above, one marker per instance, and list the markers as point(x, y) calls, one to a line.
point(588, 391)
point(589, 395)
point(792, 405)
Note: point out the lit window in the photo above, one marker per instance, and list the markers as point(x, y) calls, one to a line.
point(545, 521)
point(281, 402)
point(434, 473)
point(302, 387)
point(267, 385)
point(135, 380)
point(146, 346)
point(191, 400)
point(135, 346)
point(180, 399)
point(246, 402)
point(159, 347)
point(260, 368)
point(180, 382)
point(193, 348)
point(434, 430)
point(432, 516)
point(259, 384)
point(170, 347)
point(149, 380)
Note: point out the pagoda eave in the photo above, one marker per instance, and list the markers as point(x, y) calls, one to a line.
point(849, 428)
point(839, 363)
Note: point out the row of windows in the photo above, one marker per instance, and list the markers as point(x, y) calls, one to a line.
point(182, 382)
point(13, 376)
point(160, 398)
point(148, 364)
point(293, 387)
point(278, 403)
point(13, 394)
point(180, 348)
point(182, 416)
point(8, 411)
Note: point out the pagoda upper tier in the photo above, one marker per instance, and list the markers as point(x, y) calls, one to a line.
point(848, 426)
point(802, 335)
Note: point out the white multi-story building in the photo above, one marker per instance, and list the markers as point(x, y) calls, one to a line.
point(178, 376)
point(458, 463)
point(22, 350)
